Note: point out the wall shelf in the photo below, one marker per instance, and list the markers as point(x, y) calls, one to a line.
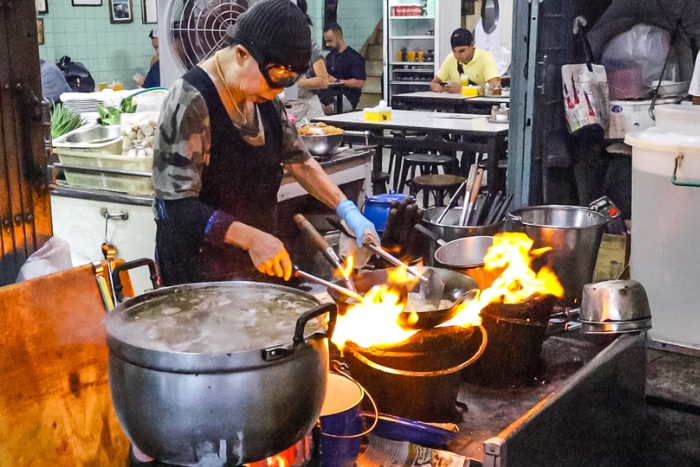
point(411, 17)
point(424, 36)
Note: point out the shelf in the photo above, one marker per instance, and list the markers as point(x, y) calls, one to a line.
point(411, 83)
point(424, 36)
point(412, 63)
point(411, 17)
point(412, 71)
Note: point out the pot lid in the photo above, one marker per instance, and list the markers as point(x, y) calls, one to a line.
point(656, 139)
point(212, 318)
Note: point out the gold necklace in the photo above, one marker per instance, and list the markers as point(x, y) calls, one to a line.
point(230, 94)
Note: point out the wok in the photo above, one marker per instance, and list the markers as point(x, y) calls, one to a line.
point(456, 286)
point(464, 255)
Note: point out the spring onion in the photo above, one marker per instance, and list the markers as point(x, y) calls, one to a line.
point(64, 120)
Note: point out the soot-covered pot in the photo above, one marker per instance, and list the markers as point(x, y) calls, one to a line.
point(221, 373)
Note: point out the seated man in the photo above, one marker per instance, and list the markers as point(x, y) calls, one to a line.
point(346, 66)
point(465, 58)
point(53, 82)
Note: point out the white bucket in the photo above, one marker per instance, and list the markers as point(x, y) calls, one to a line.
point(665, 256)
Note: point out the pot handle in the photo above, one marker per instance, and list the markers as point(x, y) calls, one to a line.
point(448, 371)
point(674, 179)
point(338, 368)
point(429, 234)
point(152, 267)
point(329, 308)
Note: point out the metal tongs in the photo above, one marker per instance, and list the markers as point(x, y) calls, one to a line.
point(431, 287)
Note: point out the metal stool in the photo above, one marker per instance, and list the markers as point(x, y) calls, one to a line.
point(379, 180)
point(438, 184)
point(428, 164)
point(398, 152)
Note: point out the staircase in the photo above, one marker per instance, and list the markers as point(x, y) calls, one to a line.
point(373, 52)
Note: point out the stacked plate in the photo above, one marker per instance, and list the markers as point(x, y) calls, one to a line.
point(84, 102)
point(614, 307)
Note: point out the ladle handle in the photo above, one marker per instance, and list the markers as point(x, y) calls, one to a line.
point(317, 239)
point(452, 202)
point(429, 234)
point(395, 261)
point(328, 284)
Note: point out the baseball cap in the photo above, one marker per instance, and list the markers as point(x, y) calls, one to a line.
point(461, 37)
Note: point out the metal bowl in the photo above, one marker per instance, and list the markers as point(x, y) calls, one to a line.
point(322, 145)
point(671, 88)
point(95, 135)
point(613, 307)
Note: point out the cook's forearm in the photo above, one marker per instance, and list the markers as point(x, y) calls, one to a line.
point(313, 179)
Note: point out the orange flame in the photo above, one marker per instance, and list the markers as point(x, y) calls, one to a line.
point(375, 320)
point(348, 267)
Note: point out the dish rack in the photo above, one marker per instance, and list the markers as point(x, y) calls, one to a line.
point(102, 165)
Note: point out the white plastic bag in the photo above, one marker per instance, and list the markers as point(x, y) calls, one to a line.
point(53, 257)
point(586, 98)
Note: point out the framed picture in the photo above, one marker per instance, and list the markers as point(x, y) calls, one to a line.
point(150, 13)
point(120, 11)
point(40, 31)
point(86, 2)
point(42, 6)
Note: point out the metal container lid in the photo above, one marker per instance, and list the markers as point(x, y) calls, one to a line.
point(198, 322)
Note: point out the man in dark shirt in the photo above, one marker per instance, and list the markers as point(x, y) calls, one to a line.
point(345, 66)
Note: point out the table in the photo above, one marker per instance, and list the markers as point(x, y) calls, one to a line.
point(447, 102)
point(474, 134)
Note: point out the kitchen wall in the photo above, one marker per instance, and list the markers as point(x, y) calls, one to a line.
point(358, 18)
point(85, 34)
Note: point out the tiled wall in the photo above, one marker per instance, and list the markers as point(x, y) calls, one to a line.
point(85, 34)
point(358, 18)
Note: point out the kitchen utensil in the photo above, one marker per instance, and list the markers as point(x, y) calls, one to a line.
point(464, 255)
point(493, 209)
point(94, 135)
point(573, 233)
point(404, 429)
point(502, 209)
point(453, 201)
point(330, 285)
point(323, 246)
point(187, 364)
point(614, 307)
point(456, 286)
point(322, 146)
point(481, 201)
point(472, 199)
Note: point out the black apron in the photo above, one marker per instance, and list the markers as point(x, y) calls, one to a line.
point(241, 180)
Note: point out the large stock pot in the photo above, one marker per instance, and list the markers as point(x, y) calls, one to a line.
point(218, 374)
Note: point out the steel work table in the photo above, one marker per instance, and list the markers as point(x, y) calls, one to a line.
point(470, 133)
point(446, 102)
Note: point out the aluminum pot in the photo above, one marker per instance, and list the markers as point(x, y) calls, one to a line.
point(574, 234)
point(448, 230)
point(230, 372)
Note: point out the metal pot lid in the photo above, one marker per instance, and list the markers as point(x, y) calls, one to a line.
point(212, 318)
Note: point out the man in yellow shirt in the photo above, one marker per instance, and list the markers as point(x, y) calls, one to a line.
point(479, 65)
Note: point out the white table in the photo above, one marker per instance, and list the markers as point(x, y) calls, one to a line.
point(474, 133)
point(446, 101)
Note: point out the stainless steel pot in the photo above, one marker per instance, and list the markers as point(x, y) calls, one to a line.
point(447, 230)
point(218, 374)
point(573, 232)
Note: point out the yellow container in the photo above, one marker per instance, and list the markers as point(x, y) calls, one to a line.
point(373, 115)
point(471, 91)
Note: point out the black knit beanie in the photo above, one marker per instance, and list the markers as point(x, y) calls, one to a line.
point(274, 31)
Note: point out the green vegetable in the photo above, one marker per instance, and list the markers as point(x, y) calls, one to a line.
point(128, 106)
point(108, 116)
point(64, 121)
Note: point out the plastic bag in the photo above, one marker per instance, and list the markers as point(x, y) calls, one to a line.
point(634, 59)
point(53, 257)
point(586, 98)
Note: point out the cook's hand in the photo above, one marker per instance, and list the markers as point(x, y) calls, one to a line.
point(364, 230)
point(454, 87)
point(269, 256)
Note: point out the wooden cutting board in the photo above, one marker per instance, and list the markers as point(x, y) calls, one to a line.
point(55, 404)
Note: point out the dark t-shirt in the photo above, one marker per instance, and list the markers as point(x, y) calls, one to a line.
point(348, 64)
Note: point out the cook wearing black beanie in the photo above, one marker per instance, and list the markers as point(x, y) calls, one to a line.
point(222, 142)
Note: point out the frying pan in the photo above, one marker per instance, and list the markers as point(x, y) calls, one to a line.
point(456, 285)
point(464, 255)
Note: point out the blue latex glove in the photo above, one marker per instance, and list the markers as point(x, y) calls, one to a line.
point(358, 223)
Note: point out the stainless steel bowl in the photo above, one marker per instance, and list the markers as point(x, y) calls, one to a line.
point(322, 145)
point(95, 135)
point(614, 307)
point(671, 88)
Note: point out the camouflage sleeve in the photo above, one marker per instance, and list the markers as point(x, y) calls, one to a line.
point(181, 146)
point(293, 149)
point(181, 151)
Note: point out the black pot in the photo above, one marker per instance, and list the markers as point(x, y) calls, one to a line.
point(423, 398)
point(515, 336)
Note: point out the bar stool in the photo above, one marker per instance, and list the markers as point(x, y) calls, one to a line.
point(398, 152)
point(438, 184)
point(427, 163)
point(379, 181)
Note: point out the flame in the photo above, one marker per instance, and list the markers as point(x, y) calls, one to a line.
point(348, 267)
point(512, 255)
point(375, 321)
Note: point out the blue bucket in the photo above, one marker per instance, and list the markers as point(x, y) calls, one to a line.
point(377, 208)
point(341, 422)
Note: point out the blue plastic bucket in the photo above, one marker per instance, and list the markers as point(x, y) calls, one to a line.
point(341, 416)
point(377, 208)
